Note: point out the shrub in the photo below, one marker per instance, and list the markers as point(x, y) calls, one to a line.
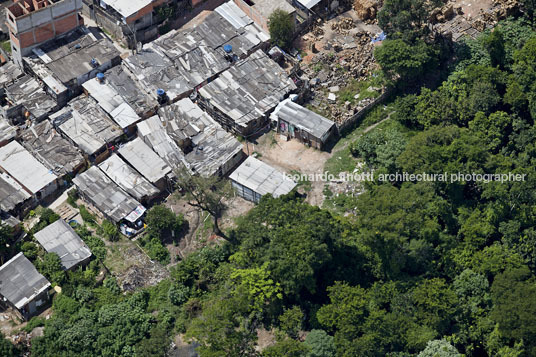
point(86, 216)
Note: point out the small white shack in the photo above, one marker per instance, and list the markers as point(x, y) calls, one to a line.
point(254, 179)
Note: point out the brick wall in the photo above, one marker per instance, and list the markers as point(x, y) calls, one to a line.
point(66, 24)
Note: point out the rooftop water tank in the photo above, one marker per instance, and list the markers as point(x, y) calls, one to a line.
point(161, 96)
point(100, 77)
point(228, 48)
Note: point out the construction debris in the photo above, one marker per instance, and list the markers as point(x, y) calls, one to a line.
point(346, 58)
point(367, 9)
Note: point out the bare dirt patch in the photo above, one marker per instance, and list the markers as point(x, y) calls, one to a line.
point(200, 227)
point(293, 157)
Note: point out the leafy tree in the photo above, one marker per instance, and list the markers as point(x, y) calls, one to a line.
point(529, 6)
point(156, 345)
point(178, 294)
point(281, 27)
point(345, 315)
point(206, 194)
point(256, 286)
point(321, 344)
point(493, 129)
point(514, 306)
point(436, 304)
point(286, 348)
point(516, 97)
point(494, 44)
point(161, 220)
point(46, 217)
point(155, 249)
point(405, 19)
point(525, 71)
point(406, 61)
point(291, 321)
point(6, 234)
point(439, 348)
point(30, 250)
point(292, 238)
point(224, 328)
point(86, 216)
point(380, 148)
point(405, 111)
point(52, 268)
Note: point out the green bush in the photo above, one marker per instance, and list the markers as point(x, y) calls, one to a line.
point(86, 216)
point(155, 249)
point(36, 321)
point(110, 231)
point(162, 221)
point(281, 26)
point(72, 196)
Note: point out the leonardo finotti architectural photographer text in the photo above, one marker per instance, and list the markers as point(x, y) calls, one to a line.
point(410, 177)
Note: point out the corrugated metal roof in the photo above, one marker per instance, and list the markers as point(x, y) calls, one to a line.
point(250, 89)
point(309, 3)
point(140, 156)
point(61, 239)
point(24, 168)
point(303, 118)
point(20, 282)
point(105, 194)
point(29, 93)
point(153, 133)
point(113, 103)
point(11, 193)
point(233, 14)
point(51, 149)
point(85, 123)
point(9, 72)
point(122, 89)
point(262, 178)
point(127, 178)
point(213, 147)
point(7, 131)
point(181, 60)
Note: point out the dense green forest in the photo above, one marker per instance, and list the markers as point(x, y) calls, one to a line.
point(427, 269)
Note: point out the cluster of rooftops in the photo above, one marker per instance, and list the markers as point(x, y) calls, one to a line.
point(120, 130)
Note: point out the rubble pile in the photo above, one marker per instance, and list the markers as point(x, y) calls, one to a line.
point(367, 9)
point(342, 26)
point(330, 72)
point(445, 13)
point(452, 21)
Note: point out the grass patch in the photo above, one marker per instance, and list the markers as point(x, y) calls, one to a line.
point(155, 249)
point(6, 46)
point(341, 161)
point(116, 258)
point(347, 94)
point(36, 321)
point(318, 67)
